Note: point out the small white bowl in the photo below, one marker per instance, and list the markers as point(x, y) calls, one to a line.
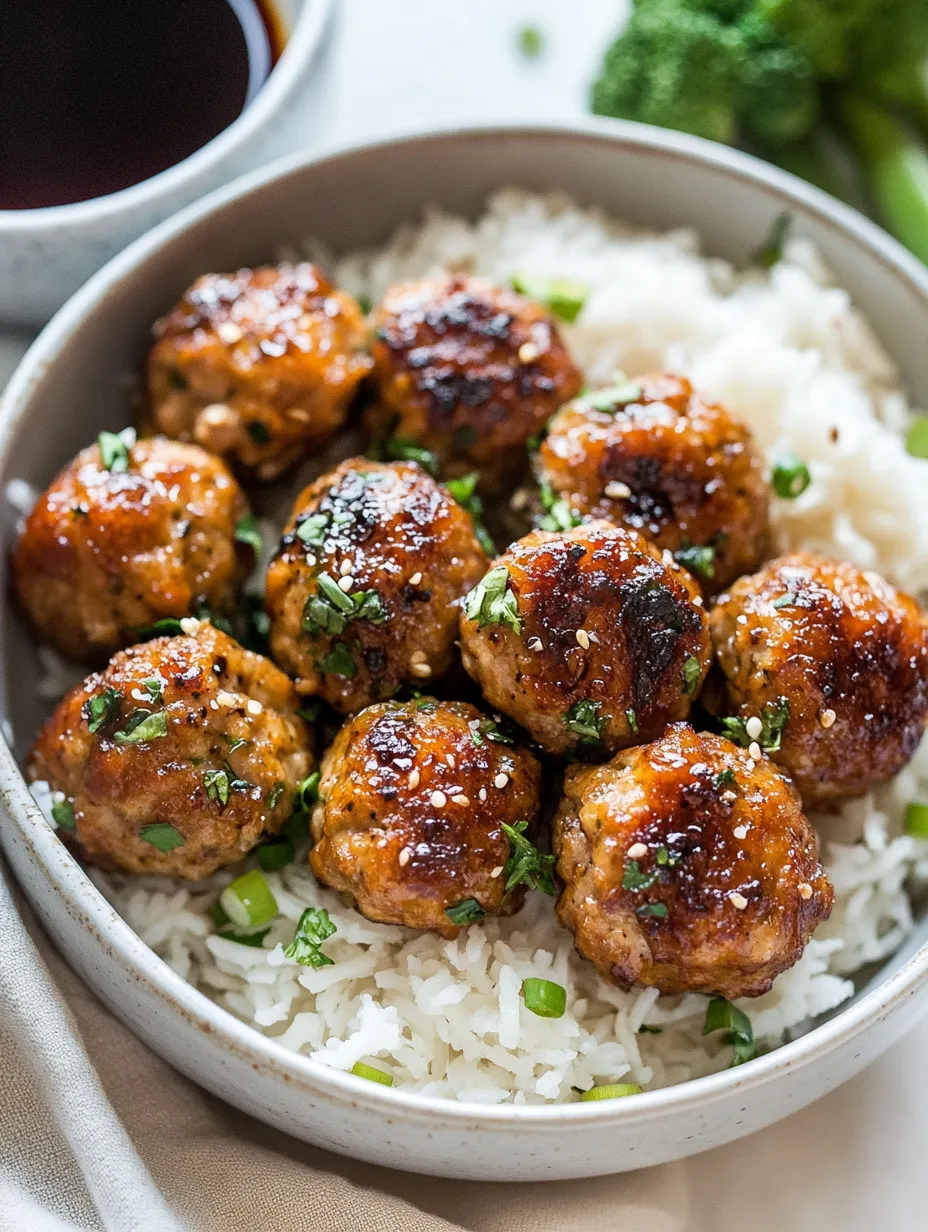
point(46, 254)
point(72, 384)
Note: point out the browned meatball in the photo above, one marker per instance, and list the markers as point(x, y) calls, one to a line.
point(652, 455)
point(688, 867)
point(832, 662)
point(467, 370)
point(107, 550)
point(412, 803)
point(589, 639)
point(362, 592)
point(178, 758)
point(259, 366)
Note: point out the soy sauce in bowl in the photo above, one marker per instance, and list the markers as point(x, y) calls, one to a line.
point(96, 97)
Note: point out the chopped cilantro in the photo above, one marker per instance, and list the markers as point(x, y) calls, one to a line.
point(724, 778)
point(63, 815)
point(464, 491)
point(613, 398)
point(162, 835)
point(142, 726)
point(632, 720)
point(330, 609)
point(247, 532)
point(489, 729)
point(467, 911)
point(698, 559)
point(313, 529)
point(492, 603)
point(307, 792)
point(310, 711)
point(101, 708)
point(558, 514)
point(114, 449)
point(656, 909)
point(273, 796)
point(584, 721)
point(153, 687)
point(786, 600)
point(773, 720)
point(401, 449)
point(313, 929)
point(339, 662)
point(564, 297)
point(257, 631)
point(526, 864)
point(692, 670)
point(168, 626)
point(216, 783)
point(634, 879)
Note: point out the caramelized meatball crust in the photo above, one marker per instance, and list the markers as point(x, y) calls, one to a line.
point(362, 593)
point(467, 370)
point(223, 754)
point(654, 456)
point(845, 652)
point(106, 551)
point(588, 638)
point(688, 867)
point(412, 801)
point(259, 366)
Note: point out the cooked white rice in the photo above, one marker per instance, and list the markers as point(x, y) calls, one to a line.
point(787, 352)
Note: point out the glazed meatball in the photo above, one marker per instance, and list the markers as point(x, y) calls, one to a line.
point(468, 371)
point(590, 638)
point(827, 667)
point(654, 456)
point(178, 758)
point(362, 592)
point(126, 537)
point(688, 867)
point(259, 366)
point(412, 803)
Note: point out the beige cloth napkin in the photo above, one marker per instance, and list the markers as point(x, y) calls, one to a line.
point(98, 1133)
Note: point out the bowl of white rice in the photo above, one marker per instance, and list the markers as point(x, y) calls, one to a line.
point(822, 355)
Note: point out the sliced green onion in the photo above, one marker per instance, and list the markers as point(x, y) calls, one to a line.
point(531, 42)
point(247, 532)
point(465, 912)
point(614, 1090)
point(255, 940)
point(544, 998)
point(563, 297)
point(916, 439)
point(790, 476)
point(360, 1070)
point(63, 815)
point(916, 819)
point(162, 835)
point(248, 901)
point(276, 854)
point(721, 1015)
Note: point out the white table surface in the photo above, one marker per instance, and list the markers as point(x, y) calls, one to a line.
point(857, 1160)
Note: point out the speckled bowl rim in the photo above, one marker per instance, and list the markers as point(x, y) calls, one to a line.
point(89, 909)
point(302, 40)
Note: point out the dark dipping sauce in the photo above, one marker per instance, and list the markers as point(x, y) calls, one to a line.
point(98, 95)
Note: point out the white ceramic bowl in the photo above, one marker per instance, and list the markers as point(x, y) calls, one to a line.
point(46, 254)
point(71, 385)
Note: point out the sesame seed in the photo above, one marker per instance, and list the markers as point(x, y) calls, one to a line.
point(729, 797)
point(594, 637)
point(827, 718)
point(460, 799)
point(754, 727)
point(253, 707)
point(583, 638)
point(225, 698)
point(439, 799)
point(500, 781)
point(535, 643)
point(417, 656)
point(805, 890)
point(421, 669)
point(697, 601)
point(214, 705)
point(345, 568)
point(229, 332)
point(519, 499)
point(528, 352)
point(310, 559)
point(740, 831)
point(450, 760)
point(415, 579)
point(414, 777)
point(482, 794)
point(616, 490)
point(189, 625)
point(737, 900)
point(474, 724)
point(754, 750)
point(668, 557)
point(742, 619)
point(637, 851)
point(495, 872)
point(345, 583)
point(405, 855)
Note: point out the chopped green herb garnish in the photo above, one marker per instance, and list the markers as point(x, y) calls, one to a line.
point(313, 929)
point(612, 398)
point(365, 304)
point(544, 998)
point(162, 835)
point(465, 912)
point(916, 819)
point(339, 662)
point(773, 720)
point(790, 476)
point(310, 711)
point(247, 532)
point(632, 720)
point(564, 298)
point(236, 742)
point(724, 778)
point(558, 515)
point(721, 1015)
point(531, 42)
point(313, 530)
point(253, 939)
point(248, 901)
point(526, 865)
point(101, 708)
point(273, 796)
point(613, 1090)
point(216, 783)
point(634, 879)
point(400, 449)
point(464, 491)
point(658, 910)
point(330, 609)
point(692, 671)
point(698, 559)
point(492, 603)
point(426, 704)
point(360, 1070)
point(142, 726)
point(786, 600)
point(258, 432)
point(584, 721)
point(916, 439)
point(489, 729)
point(168, 626)
point(114, 449)
point(275, 854)
point(63, 815)
point(771, 251)
point(153, 687)
point(257, 632)
point(666, 859)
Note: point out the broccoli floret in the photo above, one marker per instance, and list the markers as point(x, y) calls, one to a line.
point(823, 30)
point(779, 94)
